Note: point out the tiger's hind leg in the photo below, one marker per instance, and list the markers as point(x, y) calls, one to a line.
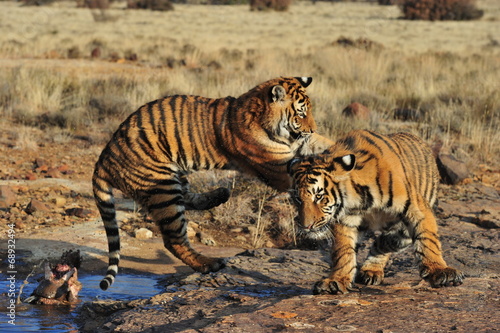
point(433, 268)
point(203, 201)
point(165, 204)
point(392, 240)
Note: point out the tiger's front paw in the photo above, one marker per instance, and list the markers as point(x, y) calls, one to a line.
point(370, 276)
point(333, 286)
point(442, 277)
point(207, 265)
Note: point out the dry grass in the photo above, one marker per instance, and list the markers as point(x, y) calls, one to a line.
point(449, 70)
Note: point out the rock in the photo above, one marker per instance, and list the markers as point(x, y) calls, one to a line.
point(41, 165)
point(59, 201)
point(406, 114)
point(357, 110)
point(36, 206)
point(53, 173)
point(143, 233)
point(64, 168)
point(79, 212)
point(270, 244)
point(206, 240)
point(43, 168)
point(191, 233)
point(96, 52)
point(451, 170)
point(7, 197)
point(30, 176)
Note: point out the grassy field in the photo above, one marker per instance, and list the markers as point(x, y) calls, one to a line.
point(51, 89)
point(449, 70)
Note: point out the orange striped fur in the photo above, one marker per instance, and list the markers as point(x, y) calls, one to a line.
point(368, 181)
point(150, 154)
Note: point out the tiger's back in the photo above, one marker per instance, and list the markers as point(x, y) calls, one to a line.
point(165, 136)
point(368, 181)
point(404, 164)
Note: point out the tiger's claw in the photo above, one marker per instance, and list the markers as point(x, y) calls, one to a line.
point(333, 286)
point(443, 277)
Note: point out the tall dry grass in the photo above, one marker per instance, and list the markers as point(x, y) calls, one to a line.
point(448, 70)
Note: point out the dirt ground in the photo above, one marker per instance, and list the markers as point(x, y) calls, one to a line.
point(260, 290)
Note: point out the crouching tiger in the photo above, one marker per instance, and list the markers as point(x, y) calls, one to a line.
point(150, 154)
point(367, 181)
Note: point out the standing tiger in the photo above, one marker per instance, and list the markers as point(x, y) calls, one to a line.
point(153, 150)
point(367, 181)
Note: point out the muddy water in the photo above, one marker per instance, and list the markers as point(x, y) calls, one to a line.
point(34, 318)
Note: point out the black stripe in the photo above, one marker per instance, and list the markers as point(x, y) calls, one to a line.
point(113, 261)
point(114, 247)
point(108, 204)
point(391, 191)
point(107, 216)
point(113, 231)
point(156, 191)
point(181, 153)
point(349, 142)
point(365, 194)
point(384, 139)
point(167, 220)
point(152, 118)
point(164, 204)
point(372, 143)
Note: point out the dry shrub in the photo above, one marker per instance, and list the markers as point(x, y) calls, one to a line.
point(159, 5)
point(434, 10)
point(388, 2)
point(360, 43)
point(36, 2)
point(277, 5)
point(97, 4)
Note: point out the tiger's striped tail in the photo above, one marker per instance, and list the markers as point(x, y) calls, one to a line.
point(103, 194)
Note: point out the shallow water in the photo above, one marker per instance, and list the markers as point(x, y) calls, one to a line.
point(34, 318)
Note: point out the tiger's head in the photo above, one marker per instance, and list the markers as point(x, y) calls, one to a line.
point(319, 190)
point(282, 108)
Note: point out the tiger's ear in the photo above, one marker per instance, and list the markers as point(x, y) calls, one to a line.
point(290, 166)
point(347, 162)
point(305, 81)
point(278, 93)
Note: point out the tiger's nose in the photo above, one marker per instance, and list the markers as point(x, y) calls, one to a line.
point(309, 226)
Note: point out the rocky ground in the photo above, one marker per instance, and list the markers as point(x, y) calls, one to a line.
point(48, 197)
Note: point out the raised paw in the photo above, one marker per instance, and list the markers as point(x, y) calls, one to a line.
point(370, 277)
point(333, 286)
point(221, 195)
point(208, 200)
point(442, 277)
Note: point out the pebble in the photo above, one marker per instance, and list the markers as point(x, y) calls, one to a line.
point(206, 240)
point(36, 206)
point(59, 201)
point(7, 196)
point(79, 212)
point(143, 233)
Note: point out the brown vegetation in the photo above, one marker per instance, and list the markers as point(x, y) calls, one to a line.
point(277, 5)
point(159, 5)
point(434, 10)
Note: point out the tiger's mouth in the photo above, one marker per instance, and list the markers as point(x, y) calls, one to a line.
point(320, 233)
